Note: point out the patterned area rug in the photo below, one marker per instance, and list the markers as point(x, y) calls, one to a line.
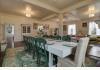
point(16, 57)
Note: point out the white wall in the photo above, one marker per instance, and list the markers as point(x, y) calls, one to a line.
point(80, 30)
point(52, 26)
point(17, 21)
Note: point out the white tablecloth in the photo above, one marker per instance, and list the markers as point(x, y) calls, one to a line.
point(58, 48)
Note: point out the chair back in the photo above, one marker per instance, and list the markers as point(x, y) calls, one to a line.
point(81, 51)
point(57, 37)
point(41, 51)
point(33, 41)
point(66, 38)
point(41, 42)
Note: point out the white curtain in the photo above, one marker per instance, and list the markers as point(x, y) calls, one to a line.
point(94, 28)
point(72, 29)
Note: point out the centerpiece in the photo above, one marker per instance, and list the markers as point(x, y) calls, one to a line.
point(40, 31)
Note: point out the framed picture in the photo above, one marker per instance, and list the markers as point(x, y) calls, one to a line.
point(64, 27)
point(84, 24)
point(35, 26)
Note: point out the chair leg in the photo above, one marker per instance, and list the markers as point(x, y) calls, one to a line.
point(34, 53)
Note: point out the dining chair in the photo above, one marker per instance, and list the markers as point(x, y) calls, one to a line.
point(45, 36)
point(57, 37)
point(66, 38)
point(33, 47)
point(42, 54)
point(29, 44)
point(51, 36)
point(79, 58)
point(25, 38)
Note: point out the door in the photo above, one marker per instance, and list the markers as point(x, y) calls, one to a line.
point(25, 30)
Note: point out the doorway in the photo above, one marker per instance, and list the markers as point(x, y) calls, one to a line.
point(9, 35)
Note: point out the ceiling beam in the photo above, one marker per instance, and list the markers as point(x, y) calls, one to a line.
point(43, 5)
point(77, 5)
point(48, 17)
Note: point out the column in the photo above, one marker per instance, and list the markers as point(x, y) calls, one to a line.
point(60, 24)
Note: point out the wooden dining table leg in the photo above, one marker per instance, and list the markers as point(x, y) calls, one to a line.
point(50, 59)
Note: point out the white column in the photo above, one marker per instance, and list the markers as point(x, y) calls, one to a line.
point(60, 24)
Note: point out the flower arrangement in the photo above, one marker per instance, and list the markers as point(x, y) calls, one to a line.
point(40, 31)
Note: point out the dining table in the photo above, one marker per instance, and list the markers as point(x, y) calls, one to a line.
point(59, 48)
point(95, 52)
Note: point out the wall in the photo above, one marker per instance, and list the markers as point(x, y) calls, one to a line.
point(80, 30)
point(52, 26)
point(16, 21)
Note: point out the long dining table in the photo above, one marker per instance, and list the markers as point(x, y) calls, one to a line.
point(59, 48)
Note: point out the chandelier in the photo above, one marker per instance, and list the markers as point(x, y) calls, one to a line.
point(91, 11)
point(28, 12)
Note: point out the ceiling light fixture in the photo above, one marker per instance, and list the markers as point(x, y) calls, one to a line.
point(28, 11)
point(91, 11)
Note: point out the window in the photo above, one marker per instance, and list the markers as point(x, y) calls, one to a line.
point(26, 29)
point(94, 29)
point(72, 29)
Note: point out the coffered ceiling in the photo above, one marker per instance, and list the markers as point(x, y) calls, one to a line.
point(60, 4)
point(17, 7)
point(45, 9)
